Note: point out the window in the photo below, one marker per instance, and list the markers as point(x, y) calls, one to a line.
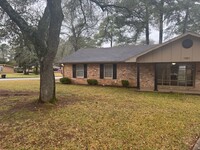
point(108, 70)
point(176, 74)
point(80, 71)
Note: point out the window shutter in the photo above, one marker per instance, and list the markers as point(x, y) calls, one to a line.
point(101, 71)
point(114, 71)
point(74, 71)
point(85, 70)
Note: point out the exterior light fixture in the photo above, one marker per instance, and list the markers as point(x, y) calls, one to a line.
point(173, 64)
point(62, 69)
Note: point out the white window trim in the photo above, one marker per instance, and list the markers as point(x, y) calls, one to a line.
point(111, 71)
point(79, 70)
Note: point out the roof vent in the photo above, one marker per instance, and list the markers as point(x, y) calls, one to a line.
point(187, 43)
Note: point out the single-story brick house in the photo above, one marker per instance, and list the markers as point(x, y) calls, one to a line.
point(4, 68)
point(173, 65)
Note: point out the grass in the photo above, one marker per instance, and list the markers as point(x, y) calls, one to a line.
point(88, 117)
point(31, 75)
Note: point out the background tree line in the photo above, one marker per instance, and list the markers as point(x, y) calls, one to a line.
point(126, 22)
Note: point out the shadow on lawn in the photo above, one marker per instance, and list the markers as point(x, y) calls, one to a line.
point(6, 93)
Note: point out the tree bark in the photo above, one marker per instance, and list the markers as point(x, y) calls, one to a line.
point(161, 22)
point(161, 29)
point(147, 25)
point(111, 40)
point(47, 78)
point(24, 68)
point(47, 81)
point(186, 20)
point(36, 69)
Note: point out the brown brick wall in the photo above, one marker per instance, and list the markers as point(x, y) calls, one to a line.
point(7, 69)
point(147, 77)
point(93, 71)
point(125, 71)
point(67, 71)
point(197, 77)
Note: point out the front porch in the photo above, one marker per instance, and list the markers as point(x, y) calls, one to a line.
point(169, 77)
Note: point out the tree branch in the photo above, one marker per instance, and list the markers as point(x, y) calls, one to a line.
point(15, 17)
point(42, 32)
point(43, 24)
point(85, 20)
point(105, 6)
point(56, 18)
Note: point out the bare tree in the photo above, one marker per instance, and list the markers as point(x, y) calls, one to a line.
point(79, 22)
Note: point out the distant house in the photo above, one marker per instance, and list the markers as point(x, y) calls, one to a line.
point(6, 68)
point(173, 65)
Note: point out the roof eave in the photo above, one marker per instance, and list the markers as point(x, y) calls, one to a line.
point(93, 62)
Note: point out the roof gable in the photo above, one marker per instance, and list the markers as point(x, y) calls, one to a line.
point(134, 58)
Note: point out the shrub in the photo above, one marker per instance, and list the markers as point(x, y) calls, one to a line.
point(65, 80)
point(92, 81)
point(18, 70)
point(125, 83)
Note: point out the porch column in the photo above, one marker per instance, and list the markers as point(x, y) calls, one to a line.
point(155, 78)
point(138, 76)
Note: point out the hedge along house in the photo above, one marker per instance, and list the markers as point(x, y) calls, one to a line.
point(173, 65)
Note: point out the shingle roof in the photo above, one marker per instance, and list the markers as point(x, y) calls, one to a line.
point(99, 55)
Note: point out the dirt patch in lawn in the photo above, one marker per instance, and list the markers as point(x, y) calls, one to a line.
point(5, 93)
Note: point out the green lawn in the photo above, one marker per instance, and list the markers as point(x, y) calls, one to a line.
point(88, 117)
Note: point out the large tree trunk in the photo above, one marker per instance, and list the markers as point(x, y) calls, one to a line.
point(47, 82)
point(47, 46)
